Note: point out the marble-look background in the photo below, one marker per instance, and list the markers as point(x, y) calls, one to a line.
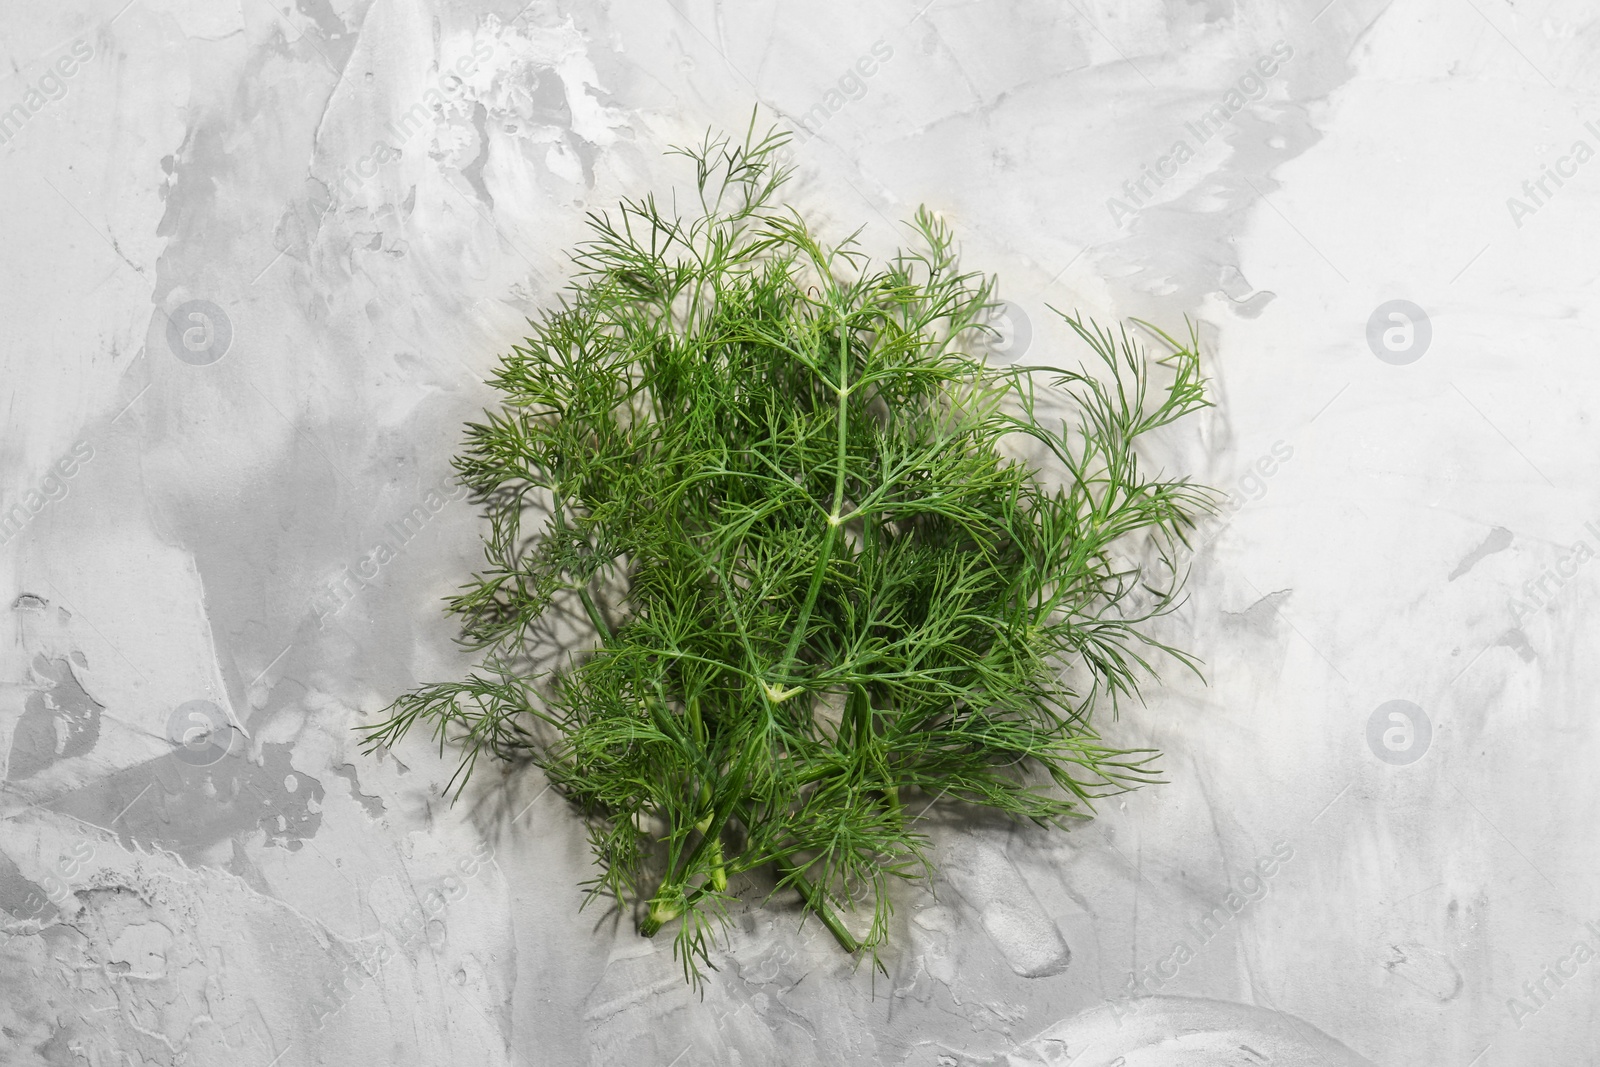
point(258, 258)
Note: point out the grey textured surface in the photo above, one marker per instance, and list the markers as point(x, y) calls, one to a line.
point(259, 257)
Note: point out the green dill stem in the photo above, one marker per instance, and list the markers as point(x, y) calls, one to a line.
point(812, 593)
point(891, 797)
point(860, 718)
point(819, 907)
point(834, 517)
point(661, 913)
point(719, 873)
point(594, 614)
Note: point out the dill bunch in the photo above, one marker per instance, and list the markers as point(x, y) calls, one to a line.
point(780, 486)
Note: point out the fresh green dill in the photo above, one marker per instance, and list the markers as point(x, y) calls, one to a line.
point(822, 588)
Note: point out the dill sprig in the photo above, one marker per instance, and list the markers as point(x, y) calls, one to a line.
point(782, 490)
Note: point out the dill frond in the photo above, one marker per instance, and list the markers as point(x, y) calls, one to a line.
point(782, 491)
